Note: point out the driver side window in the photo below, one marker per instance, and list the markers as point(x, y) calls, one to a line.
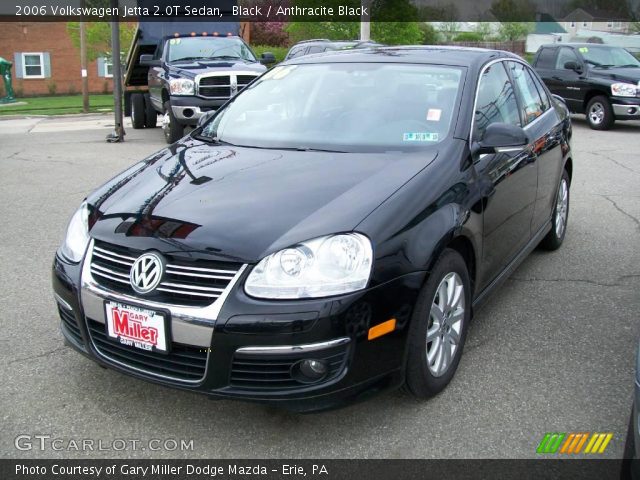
point(565, 55)
point(496, 101)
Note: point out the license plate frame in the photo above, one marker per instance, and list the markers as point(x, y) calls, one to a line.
point(147, 319)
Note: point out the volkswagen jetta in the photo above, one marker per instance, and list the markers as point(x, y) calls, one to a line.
point(327, 233)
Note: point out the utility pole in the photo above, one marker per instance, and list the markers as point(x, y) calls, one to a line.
point(365, 24)
point(83, 66)
point(118, 133)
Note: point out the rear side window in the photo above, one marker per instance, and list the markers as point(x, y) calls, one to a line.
point(496, 102)
point(565, 55)
point(295, 52)
point(546, 58)
point(532, 103)
point(315, 49)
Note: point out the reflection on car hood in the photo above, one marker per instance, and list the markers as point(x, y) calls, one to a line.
point(629, 74)
point(246, 202)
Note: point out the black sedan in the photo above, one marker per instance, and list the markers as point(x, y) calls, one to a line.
point(327, 234)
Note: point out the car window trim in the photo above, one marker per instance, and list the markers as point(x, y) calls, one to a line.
point(475, 100)
point(519, 95)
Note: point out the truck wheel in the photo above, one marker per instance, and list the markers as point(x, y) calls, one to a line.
point(150, 114)
point(137, 110)
point(173, 131)
point(599, 113)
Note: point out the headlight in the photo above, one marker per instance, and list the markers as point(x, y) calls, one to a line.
point(77, 237)
point(624, 90)
point(181, 86)
point(321, 267)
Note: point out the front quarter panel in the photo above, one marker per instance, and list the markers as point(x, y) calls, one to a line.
point(412, 227)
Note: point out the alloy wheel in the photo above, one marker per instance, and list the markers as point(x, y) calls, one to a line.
point(562, 207)
point(596, 113)
point(445, 324)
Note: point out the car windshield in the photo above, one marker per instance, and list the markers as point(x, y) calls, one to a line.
point(608, 57)
point(342, 107)
point(203, 48)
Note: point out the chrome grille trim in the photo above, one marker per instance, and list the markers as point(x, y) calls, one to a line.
point(233, 85)
point(190, 290)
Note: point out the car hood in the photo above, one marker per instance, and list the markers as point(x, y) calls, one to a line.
point(241, 204)
point(191, 69)
point(631, 75)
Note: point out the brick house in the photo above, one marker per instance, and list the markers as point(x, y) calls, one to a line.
point(46, 62)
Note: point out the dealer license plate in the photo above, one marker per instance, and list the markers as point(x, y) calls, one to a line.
point(136, 327)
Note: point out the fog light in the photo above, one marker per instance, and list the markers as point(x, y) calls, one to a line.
point(632, 110)
point(188, 113)
point(309, 370)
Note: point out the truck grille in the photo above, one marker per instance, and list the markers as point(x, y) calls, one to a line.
point(223, 86)
point(183, 362)
point(185, 281)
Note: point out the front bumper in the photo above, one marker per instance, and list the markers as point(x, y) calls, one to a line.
point(626, 108)
point(189, 109)
point(255, 335)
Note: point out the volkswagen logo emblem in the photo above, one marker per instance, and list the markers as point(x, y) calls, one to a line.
point(146, 272)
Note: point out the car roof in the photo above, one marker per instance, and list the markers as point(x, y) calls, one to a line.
point(575, 44)
point(443, 55)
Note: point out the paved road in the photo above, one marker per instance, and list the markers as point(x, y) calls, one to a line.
point(552, 351)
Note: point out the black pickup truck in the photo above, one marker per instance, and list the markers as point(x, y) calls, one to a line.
point(600, 81)
point(182, 70)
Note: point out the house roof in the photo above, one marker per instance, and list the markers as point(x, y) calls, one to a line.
point(546, 24)
point(594, 15)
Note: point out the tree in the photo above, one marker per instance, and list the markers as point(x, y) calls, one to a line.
point(99, 37)
point(483, 29)
point(449, 30)
point(429, 34)
point(513, 10)
point(511, 31)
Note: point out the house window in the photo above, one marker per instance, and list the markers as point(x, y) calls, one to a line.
point(573, 24)
point(609, 24)
point(585, 24)
point(33, 65)
point(108, 68)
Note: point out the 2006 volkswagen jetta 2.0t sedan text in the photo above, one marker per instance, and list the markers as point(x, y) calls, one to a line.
point(327, 233)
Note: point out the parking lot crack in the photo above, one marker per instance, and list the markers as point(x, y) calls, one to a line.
point(622, 211)
point(600, 153)
point(617, 283)
point(40, 355)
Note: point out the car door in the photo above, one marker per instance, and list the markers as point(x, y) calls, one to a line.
point(154, 79)
point(508, 178)
point(570, 83)
point(544, 130)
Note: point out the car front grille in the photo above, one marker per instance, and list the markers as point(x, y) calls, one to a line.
point(185, 282)
point(70, 325)
point(183, 362)
point(264, 372)
point(222, 86)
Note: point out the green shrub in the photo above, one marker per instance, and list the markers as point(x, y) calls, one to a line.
point(279, 52)
point(469, 37)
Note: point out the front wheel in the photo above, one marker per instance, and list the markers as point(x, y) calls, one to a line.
point(439, 327)
point(172, 130)
point(555, 237)
point(599, 113)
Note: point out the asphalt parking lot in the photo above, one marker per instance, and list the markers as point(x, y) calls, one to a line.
point(552, 351)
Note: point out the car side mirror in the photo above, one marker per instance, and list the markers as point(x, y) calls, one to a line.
point(500, 138)
point(573, 66)
point(205, 118)
point(267, 58)
point(149, 61)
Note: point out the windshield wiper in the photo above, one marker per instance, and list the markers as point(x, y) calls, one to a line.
point(628, 65)
point(184, 59)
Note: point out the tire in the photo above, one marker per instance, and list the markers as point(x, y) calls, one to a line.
point(599, 113)
point(137, 110)
point(150, 114)
point(629, 451)
point(172, 130)
point(423, 377)
point(555, 237)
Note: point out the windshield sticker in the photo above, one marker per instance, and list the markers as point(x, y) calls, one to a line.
point(420, 137)
point(583, 49)
point(433, 115)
